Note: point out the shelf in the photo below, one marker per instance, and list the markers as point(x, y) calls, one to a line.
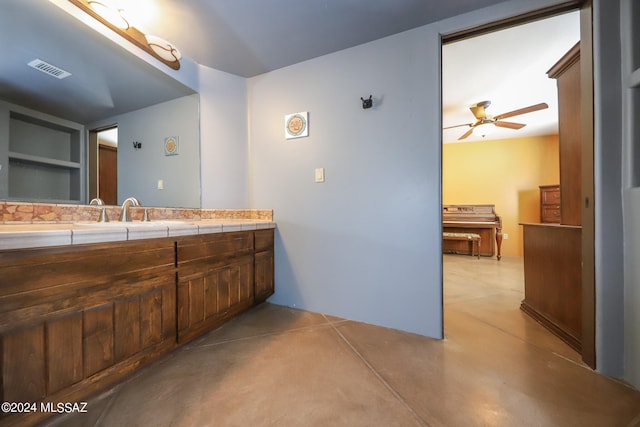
point(43, 160)
point(634, 81)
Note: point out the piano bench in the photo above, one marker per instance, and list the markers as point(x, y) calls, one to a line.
point(471, 237)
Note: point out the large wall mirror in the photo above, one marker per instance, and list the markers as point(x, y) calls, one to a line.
point(45, 120)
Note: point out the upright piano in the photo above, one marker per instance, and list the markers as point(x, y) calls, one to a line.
point(477, 219)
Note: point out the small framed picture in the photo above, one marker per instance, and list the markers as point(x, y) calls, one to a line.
point(171, 146)
point(296, 125)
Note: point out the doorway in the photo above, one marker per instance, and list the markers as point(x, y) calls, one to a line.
point(521, 198)
point(103, 171)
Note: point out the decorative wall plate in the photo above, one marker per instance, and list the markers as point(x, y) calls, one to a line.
point(171, 146)
point(296, 125)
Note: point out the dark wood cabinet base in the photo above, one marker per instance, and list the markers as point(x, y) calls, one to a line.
point(75, 320)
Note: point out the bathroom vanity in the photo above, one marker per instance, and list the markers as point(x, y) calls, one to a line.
point(77, 318)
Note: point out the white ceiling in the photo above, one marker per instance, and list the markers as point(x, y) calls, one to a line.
point(509, 69)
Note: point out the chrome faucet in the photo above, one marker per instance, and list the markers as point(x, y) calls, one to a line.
point(103, 214)
point(126, 215)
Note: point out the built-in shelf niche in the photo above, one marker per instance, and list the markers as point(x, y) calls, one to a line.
point(44, 159)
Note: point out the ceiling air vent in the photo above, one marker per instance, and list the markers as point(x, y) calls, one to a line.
point(49, 69)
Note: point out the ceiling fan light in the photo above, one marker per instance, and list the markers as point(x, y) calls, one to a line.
point(485, 129)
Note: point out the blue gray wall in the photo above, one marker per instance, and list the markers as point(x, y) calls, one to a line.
point(365, 244)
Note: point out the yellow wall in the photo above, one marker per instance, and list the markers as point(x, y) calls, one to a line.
point(505, 173)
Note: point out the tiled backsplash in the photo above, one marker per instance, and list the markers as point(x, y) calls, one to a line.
point(47, 212)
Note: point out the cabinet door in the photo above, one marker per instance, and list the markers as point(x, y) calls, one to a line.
point(211, 293)
point(264, 275)
point(264, 261)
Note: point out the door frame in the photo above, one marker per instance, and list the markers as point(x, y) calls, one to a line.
point(93, 158)
point(586, 101)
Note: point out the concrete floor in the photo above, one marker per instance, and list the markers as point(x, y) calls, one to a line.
point(275, 366)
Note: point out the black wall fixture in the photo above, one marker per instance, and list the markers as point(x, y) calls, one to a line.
point(367, 103)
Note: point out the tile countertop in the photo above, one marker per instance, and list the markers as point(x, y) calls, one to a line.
point(32, 235)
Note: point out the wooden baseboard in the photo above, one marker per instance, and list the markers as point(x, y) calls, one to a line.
point(566, 336)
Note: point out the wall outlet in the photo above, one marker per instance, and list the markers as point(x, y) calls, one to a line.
point(160, 184)
point(506, 236)
point(319, 174)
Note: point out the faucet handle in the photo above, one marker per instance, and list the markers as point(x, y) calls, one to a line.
point(145, 216)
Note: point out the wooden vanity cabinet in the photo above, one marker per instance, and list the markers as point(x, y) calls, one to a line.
point(553, 252)
point(76, 319)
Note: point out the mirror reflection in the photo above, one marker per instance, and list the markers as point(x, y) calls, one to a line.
point(49, 148)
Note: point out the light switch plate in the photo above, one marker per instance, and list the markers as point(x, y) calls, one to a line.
point(319, 174)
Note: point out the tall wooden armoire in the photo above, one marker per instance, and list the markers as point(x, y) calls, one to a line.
point(553, 252)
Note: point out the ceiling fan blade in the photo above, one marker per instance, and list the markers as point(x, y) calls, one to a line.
point(466, 134)
point(524, 110)
point(510, 125)
point(457, 126)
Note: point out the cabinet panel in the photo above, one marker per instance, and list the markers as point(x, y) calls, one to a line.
point(126, 328)
point(196, 301)
point(150, 318)
point(169, 321)
point(64, 352)
point(98, 339)
point(23, 365)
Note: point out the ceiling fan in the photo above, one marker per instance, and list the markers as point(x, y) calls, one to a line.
point(482, 118)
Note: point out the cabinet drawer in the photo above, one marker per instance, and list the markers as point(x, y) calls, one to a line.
point(214, 246)
point(264, 240)
point(551, 213)
point(550, 196)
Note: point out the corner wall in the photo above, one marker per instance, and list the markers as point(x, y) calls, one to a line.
point(223, 139)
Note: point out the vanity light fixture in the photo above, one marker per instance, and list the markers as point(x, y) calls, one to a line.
point(114, 17)
point(110, 13)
